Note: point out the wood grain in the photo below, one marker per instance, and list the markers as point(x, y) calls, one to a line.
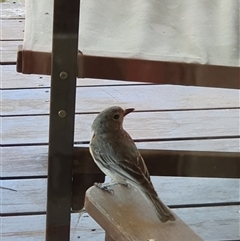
point(212, 224)
point(13, 80)
point(29, 228)
point(12, 9)
point(218, 223)
point(12, 29)
point(119, 203)
point(89, 99)
point(121, 215)
point(30, 195)
point(32, 160)
point(9, 52)
point(153, 125)
point(168, 163)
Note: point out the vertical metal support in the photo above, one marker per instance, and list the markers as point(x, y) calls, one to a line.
point(62, 109)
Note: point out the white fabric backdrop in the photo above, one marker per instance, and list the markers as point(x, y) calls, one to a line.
point(190, 31)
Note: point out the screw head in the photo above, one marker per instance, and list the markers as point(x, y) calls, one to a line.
point(63, 75)
point(62, 113)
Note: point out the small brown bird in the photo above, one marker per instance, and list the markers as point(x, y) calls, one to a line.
point(117, 156)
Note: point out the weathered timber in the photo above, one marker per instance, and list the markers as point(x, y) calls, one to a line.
point(31, 161)
point(161, 97)
point(12, 9)
point(100, 206)
point(207, 222)
point(13, 80)
point(164, 126)
point(30, 194)
point(174, 163)
point(9, 53)
point(12, 29)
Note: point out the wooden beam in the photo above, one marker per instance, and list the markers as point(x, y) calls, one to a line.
point(206, 222)
point(142, 126)
point(32, 160)
point(19, 81)
point(126, 215)
point(174, 163)
point(162, 97)
point(182, 192)
point(159, 163)
point(137, 70)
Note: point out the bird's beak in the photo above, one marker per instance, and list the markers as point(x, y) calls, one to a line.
point(127, 111)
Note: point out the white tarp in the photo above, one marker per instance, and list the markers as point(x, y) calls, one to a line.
point(190, 31)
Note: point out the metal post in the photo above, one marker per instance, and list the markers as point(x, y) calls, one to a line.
point(62, 109)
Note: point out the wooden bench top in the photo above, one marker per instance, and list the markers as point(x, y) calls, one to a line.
point(125, 215)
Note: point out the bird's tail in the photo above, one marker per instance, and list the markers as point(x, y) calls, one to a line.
point(162, 210)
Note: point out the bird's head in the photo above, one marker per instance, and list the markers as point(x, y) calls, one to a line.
point(110, 119)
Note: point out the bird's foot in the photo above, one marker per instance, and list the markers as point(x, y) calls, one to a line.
point(104, 187)
point(125, 184)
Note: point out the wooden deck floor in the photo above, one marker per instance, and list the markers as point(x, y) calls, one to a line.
point(209, 205)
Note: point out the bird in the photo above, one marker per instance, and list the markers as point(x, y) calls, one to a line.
point(117, 156)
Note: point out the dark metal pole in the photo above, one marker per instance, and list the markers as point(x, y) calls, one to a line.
point(62, 109)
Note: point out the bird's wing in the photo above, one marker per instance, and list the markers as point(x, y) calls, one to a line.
point(126, 168)
point(128, 165)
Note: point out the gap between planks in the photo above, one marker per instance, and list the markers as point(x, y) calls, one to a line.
point(153, 125)
point(181, 192)
point(206, 222)
point(9, 52)
point(142, 97)
point(12, 9)
point(31, 161)
point(17, 81)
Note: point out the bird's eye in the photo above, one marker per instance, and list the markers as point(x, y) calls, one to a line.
point(115, 117)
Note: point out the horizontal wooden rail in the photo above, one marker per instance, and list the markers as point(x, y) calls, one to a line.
point(173, 163)
point(30, 62)
point(159, 163)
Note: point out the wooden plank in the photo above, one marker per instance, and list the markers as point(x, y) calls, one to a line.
point(121, 215)
point(216, 223)
point(212, 224)
point(30, 194)
point(193, 216)
point(153, 125)
point(220, 145)
point(13, 80)
point(12, 29)
point(137, 69)
point(8, 50)
point(12, 9)
point(29, 228)
point(143, 97)
point(18, 228)
point(32, 160)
